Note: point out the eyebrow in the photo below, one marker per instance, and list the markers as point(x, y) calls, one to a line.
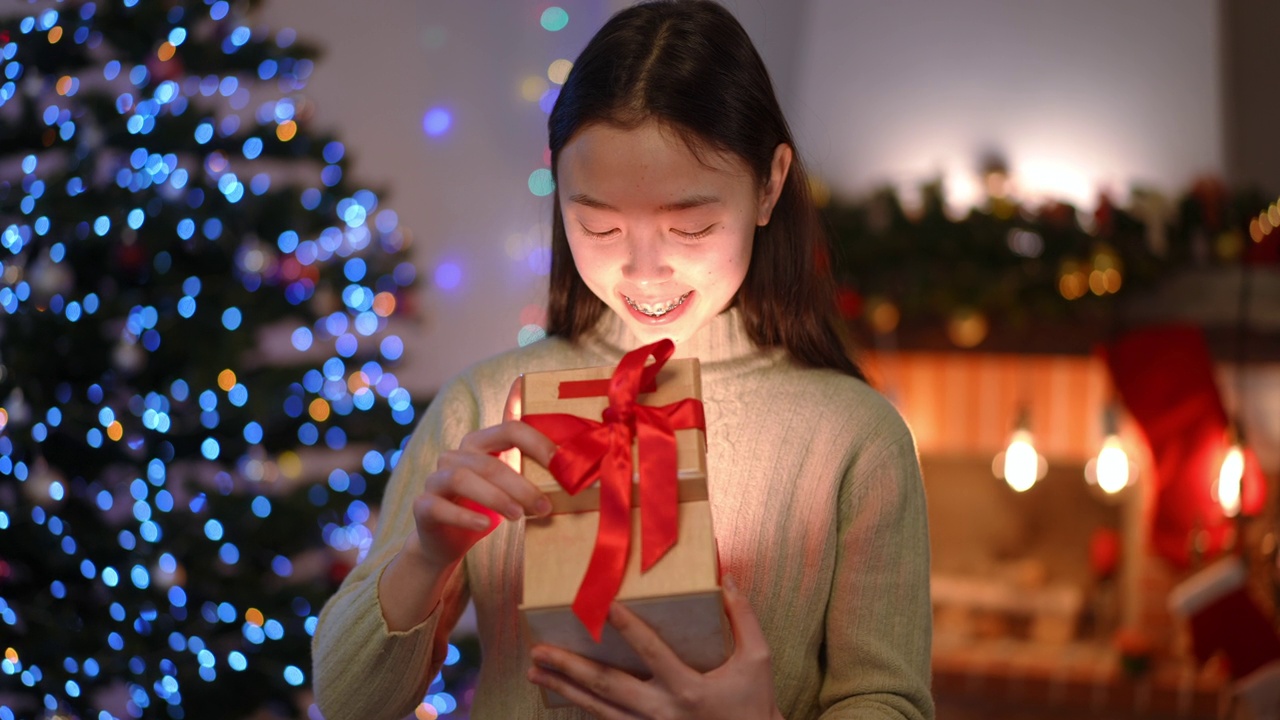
point(692, 201)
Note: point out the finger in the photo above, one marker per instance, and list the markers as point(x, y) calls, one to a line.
point(558, 683)
point(435, 509)
point(665, 665)
point(509, 434)
point(521, 495)
point(748, 639)
point(586, 681)
point(513, 409)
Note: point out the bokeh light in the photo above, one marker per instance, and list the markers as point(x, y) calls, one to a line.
point(437, 121)
point(554, 19)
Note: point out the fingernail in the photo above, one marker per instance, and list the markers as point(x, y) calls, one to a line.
point(513, 512)
point(542, 507)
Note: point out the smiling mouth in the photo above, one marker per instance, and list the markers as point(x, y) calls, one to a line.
point(657, 309)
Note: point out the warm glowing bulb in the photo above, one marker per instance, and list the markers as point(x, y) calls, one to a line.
point(1112, 466)
point(1021, 462)
point(1228, 488)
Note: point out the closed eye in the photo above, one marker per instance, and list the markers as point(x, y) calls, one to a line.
point(592, 233)
point(695, 235)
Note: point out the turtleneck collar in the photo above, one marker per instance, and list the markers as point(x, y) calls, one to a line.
point(722, 346)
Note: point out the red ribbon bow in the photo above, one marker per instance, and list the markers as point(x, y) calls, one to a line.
point(590, 449)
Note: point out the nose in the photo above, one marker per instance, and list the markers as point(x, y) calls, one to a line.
point(648, 261)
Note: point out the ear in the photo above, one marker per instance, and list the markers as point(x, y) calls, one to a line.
point(778, 169)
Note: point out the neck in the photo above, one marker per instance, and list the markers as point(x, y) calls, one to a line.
point(721, 343)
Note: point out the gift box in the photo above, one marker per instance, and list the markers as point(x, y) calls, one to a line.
point(679, 597)
point(630, 517)
point(583, 393)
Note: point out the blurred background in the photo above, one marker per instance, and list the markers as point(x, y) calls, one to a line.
point(244, 243)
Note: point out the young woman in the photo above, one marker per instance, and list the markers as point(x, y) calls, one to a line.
point(681, 211)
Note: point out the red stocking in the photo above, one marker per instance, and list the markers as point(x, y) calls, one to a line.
point(1165, 377)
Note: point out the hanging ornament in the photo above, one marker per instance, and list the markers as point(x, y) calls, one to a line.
point(127, 357)
point(49, 278)
point(40, 485)
point(16, 410)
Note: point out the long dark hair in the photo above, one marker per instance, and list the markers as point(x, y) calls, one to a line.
point(690, 65)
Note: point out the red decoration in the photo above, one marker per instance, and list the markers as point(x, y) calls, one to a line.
point(1104, 552)
point(1165, 376)
point(849, 302)
point(1225, 619)
point(589, 450)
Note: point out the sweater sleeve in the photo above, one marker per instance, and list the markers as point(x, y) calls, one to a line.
point(879, 618)
point(361, 669)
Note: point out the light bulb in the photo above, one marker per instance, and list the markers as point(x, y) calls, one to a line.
point(1021, 462)
point(1111, 467)
point(1229, 476)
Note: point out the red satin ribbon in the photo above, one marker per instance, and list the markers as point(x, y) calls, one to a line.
point(590, 449)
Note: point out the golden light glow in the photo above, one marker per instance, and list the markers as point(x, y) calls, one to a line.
point(11, 655)
point(357, 381)
point(1097, 283)
point(558, 72)
point(819, 191)
point(253, 616)
point(1111, 278)
point(1072, 284)
point(884, 316)
point(1265, 224)
point(64, 85)
point(1255, 231)
point(166, 51)
point(1110, 469)
point(290, 464)
point(384, 304)
point(1227, 489)
point(319, 410)
point(115, 430)
point(286, 130)
point(55, 34)
point(425, 712)
point(967, 328)
point(226, 380)
point(1021, 462)
point(1273, 215)
point(4, 418)
point(532, 88)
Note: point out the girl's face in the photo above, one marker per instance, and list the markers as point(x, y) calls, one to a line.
point(663, 238)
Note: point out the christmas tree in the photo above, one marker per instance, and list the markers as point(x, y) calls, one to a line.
point(194, 327)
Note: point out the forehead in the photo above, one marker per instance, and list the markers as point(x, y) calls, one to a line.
point(651, 164)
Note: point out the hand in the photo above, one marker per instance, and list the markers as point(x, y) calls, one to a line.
point(450, 513)
point(740, 688)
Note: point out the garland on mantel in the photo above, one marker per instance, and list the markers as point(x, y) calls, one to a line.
point(1012, 265)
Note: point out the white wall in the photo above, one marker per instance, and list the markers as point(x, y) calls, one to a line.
point(1075, 92)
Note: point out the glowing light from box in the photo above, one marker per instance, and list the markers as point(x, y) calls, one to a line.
point(1227, 489)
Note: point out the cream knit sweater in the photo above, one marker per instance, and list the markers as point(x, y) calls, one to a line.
point(819, 513)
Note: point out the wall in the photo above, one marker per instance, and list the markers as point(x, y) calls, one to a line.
point(1076, 95)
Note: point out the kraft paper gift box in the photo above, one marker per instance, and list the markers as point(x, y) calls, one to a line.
point(678, 595)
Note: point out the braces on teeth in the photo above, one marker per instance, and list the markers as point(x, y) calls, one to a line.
point(649, 310)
